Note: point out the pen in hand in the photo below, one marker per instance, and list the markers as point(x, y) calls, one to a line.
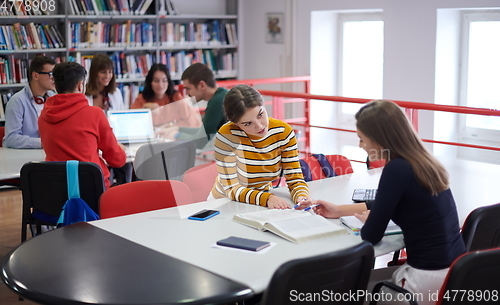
point(312, 206)
point(298, 204)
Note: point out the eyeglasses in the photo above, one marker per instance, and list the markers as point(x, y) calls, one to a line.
point(50, 74)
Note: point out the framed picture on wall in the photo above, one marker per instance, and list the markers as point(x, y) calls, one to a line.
point(275, 27)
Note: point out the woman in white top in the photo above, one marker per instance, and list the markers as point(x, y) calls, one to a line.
point(101, 91)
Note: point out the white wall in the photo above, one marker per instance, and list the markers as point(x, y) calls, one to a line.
point(410, 45)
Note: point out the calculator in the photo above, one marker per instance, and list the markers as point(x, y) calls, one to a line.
point(364, 195)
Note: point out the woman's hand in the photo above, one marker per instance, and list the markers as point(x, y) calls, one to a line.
point(168, 132)
point(327, 209)
point(275, 202)
point(151, 105)
point(362, 216)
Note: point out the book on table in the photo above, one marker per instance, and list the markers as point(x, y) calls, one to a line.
point(355, 225)
point(294, 225)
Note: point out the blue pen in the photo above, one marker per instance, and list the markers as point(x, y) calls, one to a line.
point(312, 206)
point(298, 204)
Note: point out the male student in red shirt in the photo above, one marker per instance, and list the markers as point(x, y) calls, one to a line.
point(70, 129)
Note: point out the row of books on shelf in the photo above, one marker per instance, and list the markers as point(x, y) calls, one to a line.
point(136, 66)
point(132, 67)
point(223, 64)
point(214, 32)
point(120, 7)
point(30, 36)
point(99, 34)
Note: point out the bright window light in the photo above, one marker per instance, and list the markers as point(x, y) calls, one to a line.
point(362, 61)
point(483, 73)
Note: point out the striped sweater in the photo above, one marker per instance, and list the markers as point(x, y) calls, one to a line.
point(247, 164)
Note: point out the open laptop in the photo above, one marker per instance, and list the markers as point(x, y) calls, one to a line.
point(132, 125)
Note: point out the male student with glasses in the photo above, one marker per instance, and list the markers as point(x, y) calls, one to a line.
point(24, 107)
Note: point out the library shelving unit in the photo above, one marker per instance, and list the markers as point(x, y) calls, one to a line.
point(133, 33)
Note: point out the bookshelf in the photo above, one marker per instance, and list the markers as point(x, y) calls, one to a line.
point(134, 33)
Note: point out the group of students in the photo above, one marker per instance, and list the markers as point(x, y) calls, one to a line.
point(251, 151)
point(90, 138)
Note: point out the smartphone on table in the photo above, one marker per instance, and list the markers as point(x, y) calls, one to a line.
point(204, 215)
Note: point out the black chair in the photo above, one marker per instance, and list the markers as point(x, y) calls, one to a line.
point(472, 279)
point(164, 161)
point(473, 272)
point(337, 272)
point(481, 229)
point(44, 191)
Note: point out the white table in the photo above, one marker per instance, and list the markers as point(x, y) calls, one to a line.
point(11, 160)
point(169, 231)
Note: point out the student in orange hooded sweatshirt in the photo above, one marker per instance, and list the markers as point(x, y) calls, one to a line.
point(71, 129)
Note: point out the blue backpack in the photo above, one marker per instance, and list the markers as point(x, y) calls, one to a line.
point(75, 209)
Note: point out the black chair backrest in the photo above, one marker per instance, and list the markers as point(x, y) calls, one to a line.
point(164, 161)
point(337, 272)
point(481, 229)
point(477, 273)
point(44, 187)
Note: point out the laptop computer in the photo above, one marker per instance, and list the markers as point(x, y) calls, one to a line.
point(132, 125)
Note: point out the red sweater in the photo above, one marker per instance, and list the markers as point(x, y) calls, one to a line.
point(70, 129)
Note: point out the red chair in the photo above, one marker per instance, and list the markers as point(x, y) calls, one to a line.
point(340, 164)
point(2, 134)
point(471, 272)
point(319, 166)
point(200, 180)
point(143, 196)
point(311, 169)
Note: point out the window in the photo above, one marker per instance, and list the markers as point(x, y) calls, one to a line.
point(480, 73)
point(361, 59)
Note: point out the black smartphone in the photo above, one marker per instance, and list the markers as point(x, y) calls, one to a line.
point(204, 215)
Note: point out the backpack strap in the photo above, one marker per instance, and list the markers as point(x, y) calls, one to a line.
point(306, 170)
point(325, 165)
point(72, 179)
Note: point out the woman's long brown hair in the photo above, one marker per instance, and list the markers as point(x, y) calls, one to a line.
point(385, 123)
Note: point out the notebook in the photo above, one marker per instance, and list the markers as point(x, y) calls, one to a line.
point(243, 243)
point(132, 125)
point(355, 225)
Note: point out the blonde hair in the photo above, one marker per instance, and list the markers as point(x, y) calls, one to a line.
point(386, 124)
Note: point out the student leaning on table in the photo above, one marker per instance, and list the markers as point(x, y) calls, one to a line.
point(165, 102)
point(71, 129)
point(252, 150)
point(413, 191)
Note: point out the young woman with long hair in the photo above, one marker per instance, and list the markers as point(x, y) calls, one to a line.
point(413, 191)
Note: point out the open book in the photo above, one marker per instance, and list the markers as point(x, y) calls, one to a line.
point(355, 225)
point(294, 225)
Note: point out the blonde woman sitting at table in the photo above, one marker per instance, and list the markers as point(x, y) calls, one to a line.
point(253, 150)
point(167, 104)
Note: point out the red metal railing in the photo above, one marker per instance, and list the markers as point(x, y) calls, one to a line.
point(411, 110)
point(280, 98)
